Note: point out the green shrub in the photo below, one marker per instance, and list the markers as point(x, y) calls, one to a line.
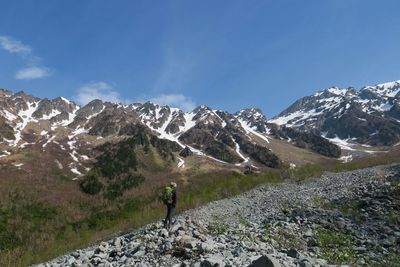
point(337, 247)
point(217, 226)
point(22, 218)
point(91, 185)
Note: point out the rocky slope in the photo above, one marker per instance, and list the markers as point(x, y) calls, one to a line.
point(368, 116)
point(344, 218)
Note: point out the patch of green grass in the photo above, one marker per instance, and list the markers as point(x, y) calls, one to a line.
point(101, 223)
point(58, 174)
point(336, 247)
point(287, 239)
point(24, 225)
point(217, 226)
point(349, 208)
point(242, 220)
point(30, 155)
point(317, 169)
point(207, 187)
point(323, 203)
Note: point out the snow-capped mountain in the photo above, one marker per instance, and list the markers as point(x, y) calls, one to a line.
point(72, 132)
point(368, 116)
point(246, 138)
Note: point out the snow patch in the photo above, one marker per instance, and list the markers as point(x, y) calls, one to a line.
point(25, 144)
point(181, 163)
point(48, 141)
point(65, 100)
point(245, 159)
point(71, 117)
point(223, 123)
point(248, 129)
point(344, 144)
point(26, 117)
point(77, 132)
point(73, 155)
point(338, 91)
point(53, 113)
point(95, 114)
point(345, 159)
point(75, 171)
point(383, 107)
point(84, 157)
point(6, 153)
point(189, 122)
point(59, 165)
point(18, 165)
point(8, 115)
point(300, 115)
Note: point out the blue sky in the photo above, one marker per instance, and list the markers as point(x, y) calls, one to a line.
point(225, 54)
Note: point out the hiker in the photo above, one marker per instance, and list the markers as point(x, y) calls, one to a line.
point(169, 199)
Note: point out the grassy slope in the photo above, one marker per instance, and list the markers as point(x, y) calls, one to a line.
point(42, 219)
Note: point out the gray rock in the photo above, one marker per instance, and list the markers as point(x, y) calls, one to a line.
point(164, 233)
point(213, 261)
point(140, 252)
point(103, 247)
point(265, 261)
point(308, 233)
point(177, 226)
point(305, 264)
point(360, 250)
point(312, 243)
point(206, 246)
point(117, 242)
point(292, 253)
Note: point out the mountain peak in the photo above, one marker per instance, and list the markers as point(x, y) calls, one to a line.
point(248, 113)
point(336, 91)
point(388, 89)
point(389, 84)
point(367, 114)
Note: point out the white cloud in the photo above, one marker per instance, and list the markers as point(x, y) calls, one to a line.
point(32, 73)
point(97, 90)
point(14, 46)
point(175, 100)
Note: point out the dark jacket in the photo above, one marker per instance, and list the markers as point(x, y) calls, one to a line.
point(173, 204)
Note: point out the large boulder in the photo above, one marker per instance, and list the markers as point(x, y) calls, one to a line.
point(265, 261)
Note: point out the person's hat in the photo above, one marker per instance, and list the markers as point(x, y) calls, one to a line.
point(173, 184)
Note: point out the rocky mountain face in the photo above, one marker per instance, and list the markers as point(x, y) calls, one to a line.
point(334, 115)
point(60, 125)
point(369, 116)
point(255, 120)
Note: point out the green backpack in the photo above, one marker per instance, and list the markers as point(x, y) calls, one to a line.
point(167, 195)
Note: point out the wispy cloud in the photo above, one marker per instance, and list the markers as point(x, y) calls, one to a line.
point(34, 69)
point(177, 70)
point(32, 73)
point(176, 73)
point(14, 46)
point(179, 101)
point(97, 90)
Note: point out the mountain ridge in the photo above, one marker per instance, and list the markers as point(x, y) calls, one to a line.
point(221, 136)
point(368, 116)
point(332, 122)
